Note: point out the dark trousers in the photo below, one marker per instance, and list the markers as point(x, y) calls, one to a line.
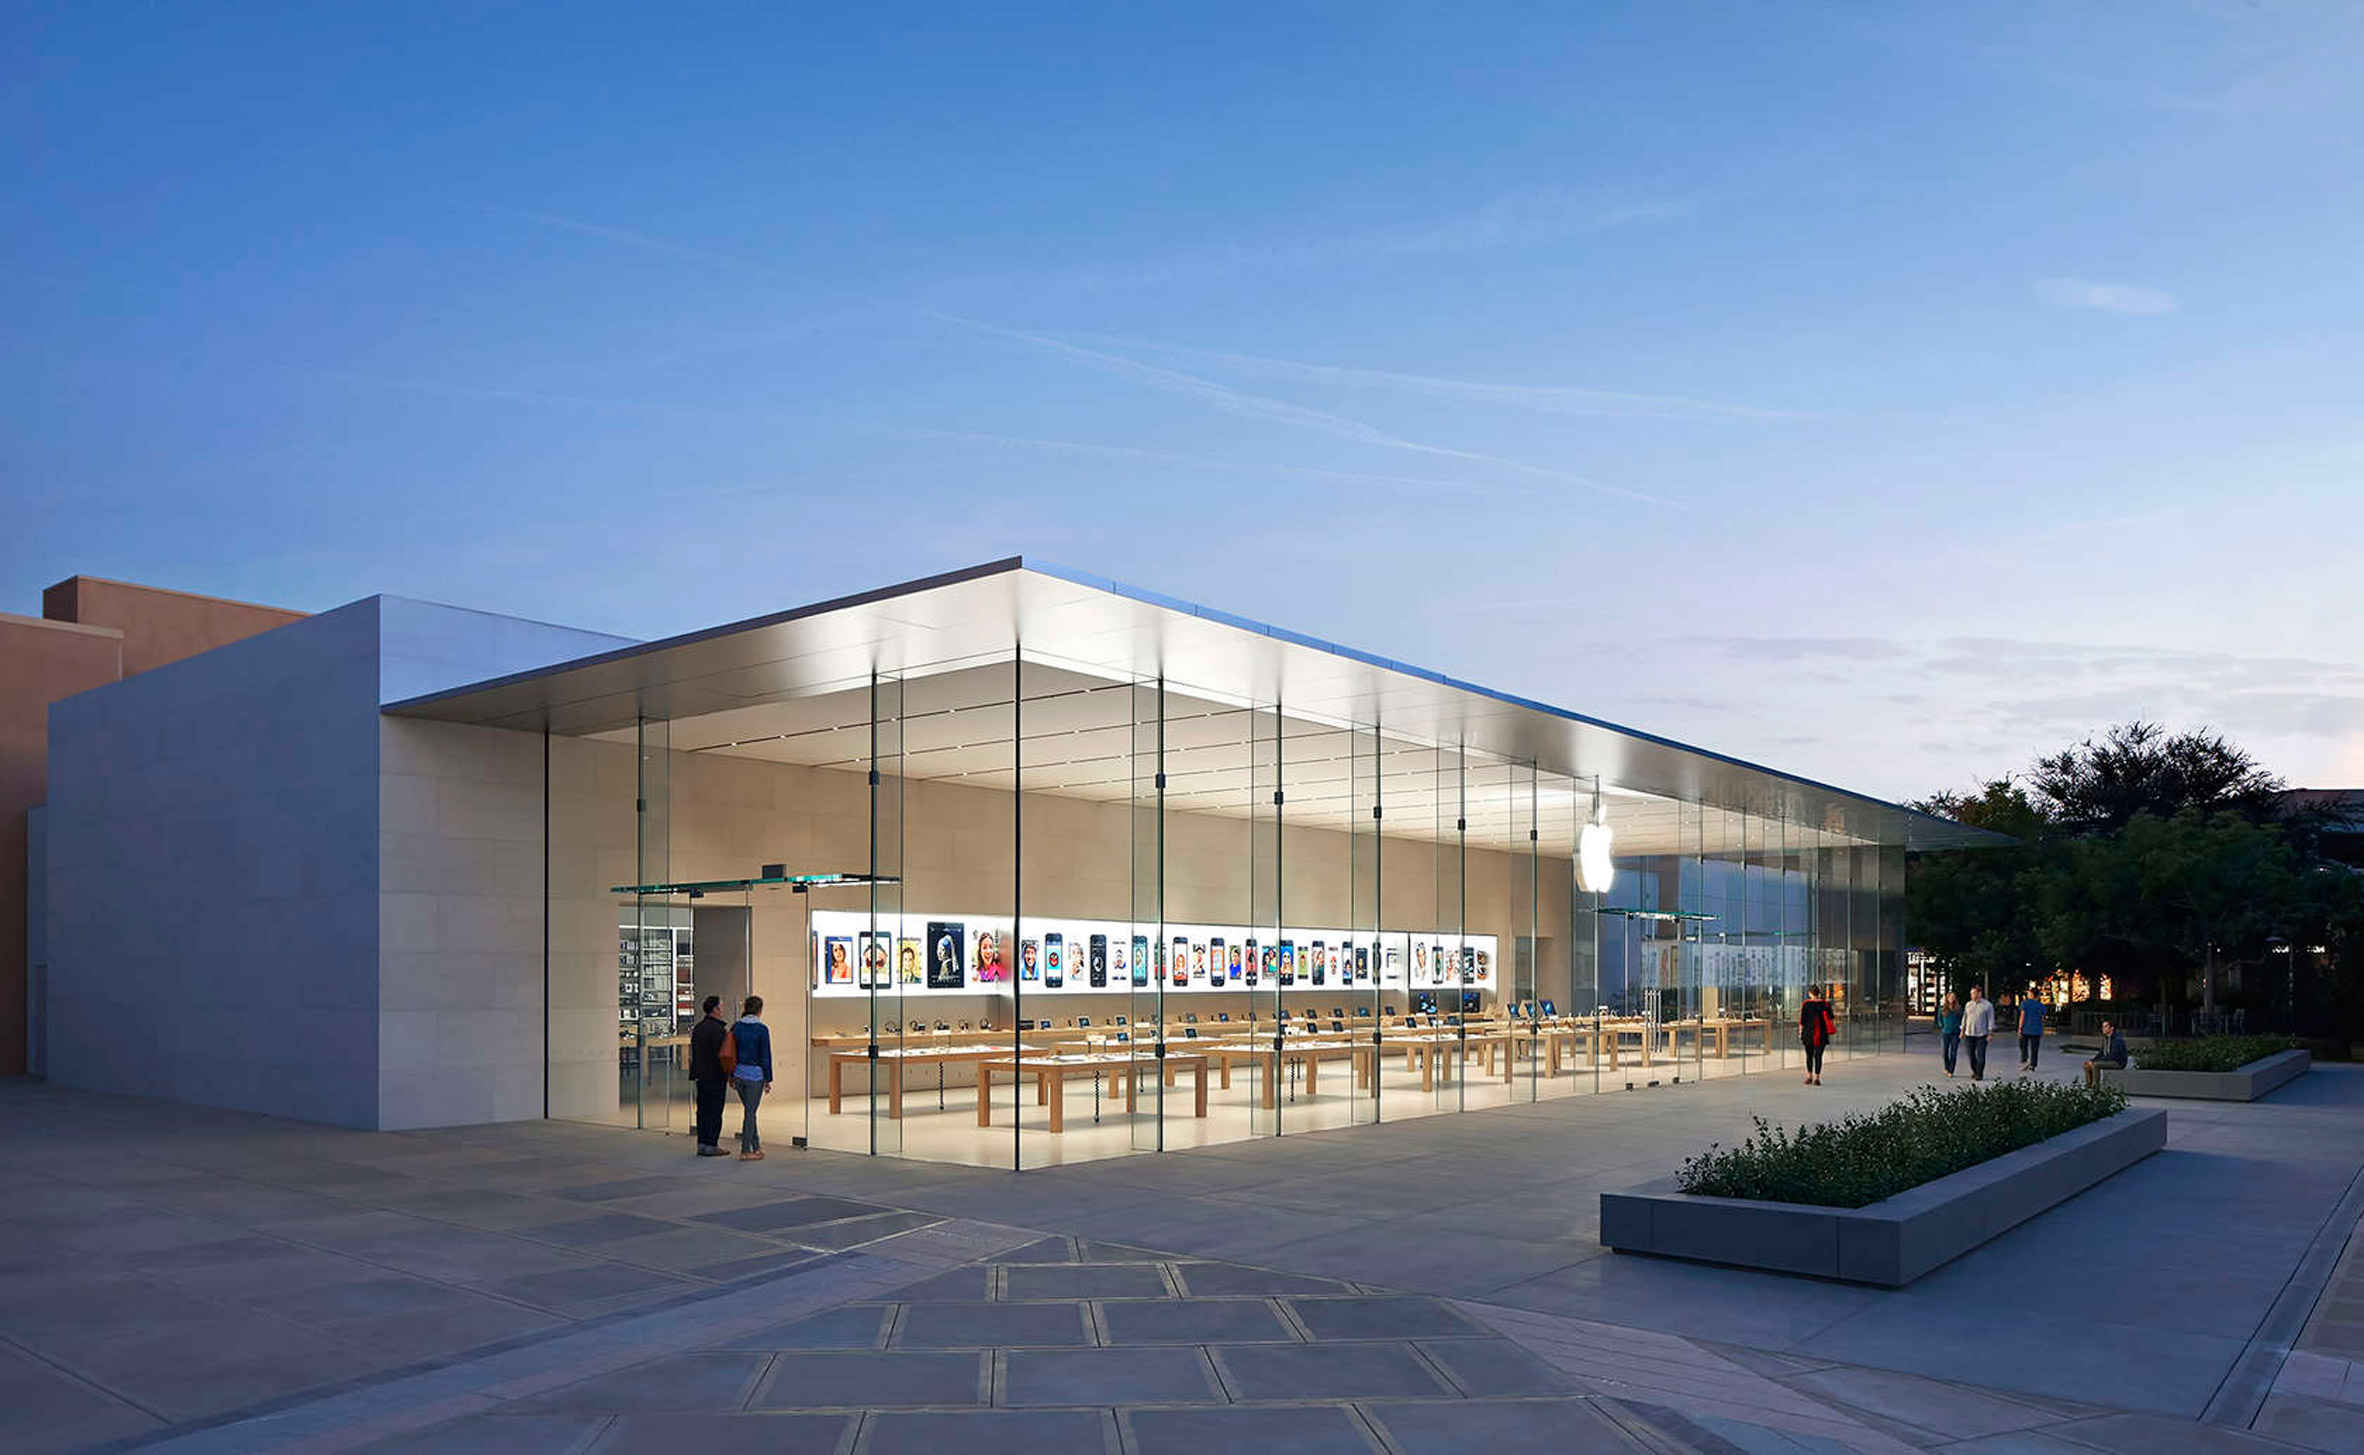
point(2029, 1048)
point(1952, 1041)
point(1814, 1058)
point(1977, 1045)
point(710, 1097)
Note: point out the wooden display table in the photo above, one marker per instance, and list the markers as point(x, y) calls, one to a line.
point(1051, 1073)
point(894, 1059)
point(1306, 1051)
point(1425, 1048)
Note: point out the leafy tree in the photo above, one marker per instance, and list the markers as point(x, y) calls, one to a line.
point(2136, 856)
point(1970, 908)
point(2137, 767)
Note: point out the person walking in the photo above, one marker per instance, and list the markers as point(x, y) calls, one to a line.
point(706, 1041)
point(2112, 1055)
point(2031, 1032)
point(1949, 1029)
point(753, 1075)
point(1816, 1025)
point(1978, 1023)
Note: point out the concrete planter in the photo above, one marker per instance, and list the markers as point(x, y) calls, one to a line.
point(1893, 1241)
point(2247, 1084)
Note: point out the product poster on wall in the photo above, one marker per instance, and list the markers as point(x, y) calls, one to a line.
point(947, 945)
point(982, 955)
point(877, 954)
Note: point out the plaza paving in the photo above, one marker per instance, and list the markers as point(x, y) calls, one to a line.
point(182, 1279)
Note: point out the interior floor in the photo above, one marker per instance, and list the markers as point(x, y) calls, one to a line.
point(939, 1121)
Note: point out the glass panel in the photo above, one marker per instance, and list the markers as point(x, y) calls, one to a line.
point(654, 1065)
point(886, 936)
point(1320, 1070)
point(1265, 907)
point(1436, 953)
point(1365, 870)
point(1144, 1034)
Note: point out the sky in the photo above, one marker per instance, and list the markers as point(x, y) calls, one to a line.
point(1885, 393)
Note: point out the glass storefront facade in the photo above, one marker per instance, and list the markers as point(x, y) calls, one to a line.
point(1091, 913)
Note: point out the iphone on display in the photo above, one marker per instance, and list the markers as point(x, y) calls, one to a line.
point(1313, 955)
point(1054, 951)
point(1215, 960)
point(1099, 962)
point(1251, 964)
point(1030, 960)
point(1234, 966)
point(1140, 960)
point(1288, 962)
point(1181, 960)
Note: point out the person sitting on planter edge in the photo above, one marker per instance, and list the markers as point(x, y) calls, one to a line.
point(2111, 1056)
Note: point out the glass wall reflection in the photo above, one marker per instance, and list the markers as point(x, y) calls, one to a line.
point(1093, 916)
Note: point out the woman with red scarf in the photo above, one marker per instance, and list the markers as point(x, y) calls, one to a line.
point(1816, 1025)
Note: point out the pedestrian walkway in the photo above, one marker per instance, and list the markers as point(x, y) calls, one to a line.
point(192, 1280)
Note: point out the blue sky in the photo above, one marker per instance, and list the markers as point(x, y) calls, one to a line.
point(1883, 392)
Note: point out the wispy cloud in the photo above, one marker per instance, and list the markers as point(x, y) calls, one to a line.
point(1546, 398)
point(1277, 411)
point(2108, 297)
point(618, 236)
point(1419, 483)
point(1527, 217)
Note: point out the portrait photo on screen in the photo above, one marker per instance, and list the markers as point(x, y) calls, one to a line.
point(947, 954)
point(837, 960)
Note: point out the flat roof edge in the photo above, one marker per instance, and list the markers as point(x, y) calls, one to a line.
point(794, 613)
point(1387, 664)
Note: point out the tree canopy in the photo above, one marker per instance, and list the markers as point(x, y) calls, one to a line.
point(2139, 855)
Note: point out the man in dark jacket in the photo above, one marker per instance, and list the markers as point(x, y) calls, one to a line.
point(705, 1069)
point(2111, 1056)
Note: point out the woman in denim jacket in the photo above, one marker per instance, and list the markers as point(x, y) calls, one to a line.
point(753, 1075)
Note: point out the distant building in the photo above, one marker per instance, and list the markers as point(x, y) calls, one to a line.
point(2339, 820)
point(90, 633)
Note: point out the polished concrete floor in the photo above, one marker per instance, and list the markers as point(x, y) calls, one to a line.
point(198, 1280)
point(939, 1120)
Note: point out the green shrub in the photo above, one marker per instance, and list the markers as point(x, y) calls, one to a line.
point(2211, 1053)
point(1866, 1156)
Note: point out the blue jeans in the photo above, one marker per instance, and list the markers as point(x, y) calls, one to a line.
point(1977, 1057)
point(1953, 1047)
point(750, 1097)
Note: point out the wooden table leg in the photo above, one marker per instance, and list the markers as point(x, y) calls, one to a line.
point(1056, 1081)
point(836, 1085)
point(1199, 1079)
point(1272, 1082)
point(1509, 1076)
point(895, 1090)
point(1312, 1071)
point(1428, 1072)
point(984, 1096)
point(1226, 1060)
point(1132, 1092)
